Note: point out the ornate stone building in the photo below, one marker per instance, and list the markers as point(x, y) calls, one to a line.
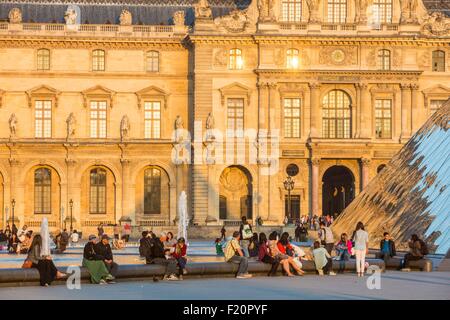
point(98, 100)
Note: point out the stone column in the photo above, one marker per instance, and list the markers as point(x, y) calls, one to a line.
point(358, 110)
point(415, 116)
point(365, 166)
point(314, 90)
point(406, 111)
point(127, 199)
point(15, 194)
point(272, 107)
point(315, 162)
point(70, 165)
point(262, 108)
point(366, 112)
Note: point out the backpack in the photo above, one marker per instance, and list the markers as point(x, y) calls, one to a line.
point(423, 248)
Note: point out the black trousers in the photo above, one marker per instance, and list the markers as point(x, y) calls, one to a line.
point(47, 271)
point(274, 262)
point(112, 268)
point(171, 265)
point(328, 267)
point(409, 257)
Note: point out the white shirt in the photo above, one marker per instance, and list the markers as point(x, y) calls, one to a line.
point(361, 239)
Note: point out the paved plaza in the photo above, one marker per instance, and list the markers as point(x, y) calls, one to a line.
point(394, 285)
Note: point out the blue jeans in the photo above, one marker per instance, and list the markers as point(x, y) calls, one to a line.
point(181, 264)
point(343, 256)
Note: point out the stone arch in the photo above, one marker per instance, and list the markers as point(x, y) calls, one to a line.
point(87, 164)
point(163, 165)
point(338, 189)
point(49, 163)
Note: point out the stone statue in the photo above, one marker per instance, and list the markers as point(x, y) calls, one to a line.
point(210, 122)
point(179, 123)
point(70, 16)
point(13, 125)
point(361, 11)
point(124, 127)
point(15, 15)
point(202, 9)
point(179, 129)
point(408, 11)
point(266, 10)
point(437, 24)
point(313, 6)
point(71, 123)
point(235, 21)
point(178, 18)
point(125, 18)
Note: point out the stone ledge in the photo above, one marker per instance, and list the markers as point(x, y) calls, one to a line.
point(24, 277)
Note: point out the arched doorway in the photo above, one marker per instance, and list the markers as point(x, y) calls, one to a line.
point(235, 193)
point(338, 190)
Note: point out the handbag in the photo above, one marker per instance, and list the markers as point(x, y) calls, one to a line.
point(27, 264)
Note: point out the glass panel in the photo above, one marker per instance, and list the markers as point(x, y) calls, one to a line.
point(336, 115)
point(42, 191)
point(97, 200)
point(152, 191)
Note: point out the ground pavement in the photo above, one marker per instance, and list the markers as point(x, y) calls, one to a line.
point(394, 285)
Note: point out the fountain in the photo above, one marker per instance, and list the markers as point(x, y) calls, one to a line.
point(45, 236)
point(183, 220)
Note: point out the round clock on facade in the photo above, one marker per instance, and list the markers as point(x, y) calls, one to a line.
point(338, 56)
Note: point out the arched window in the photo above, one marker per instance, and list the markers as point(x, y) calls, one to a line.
point(337, 11)
point(384, 59)
point(153, 61)
point(382, 11)
point(97, 195)
point(236, 62)
point(292, 59)
point(98, 60)
point(336, 115)
point(43, 59)
point(438, 61)
point(291, 10)
point(152, 191)
point(42, 191)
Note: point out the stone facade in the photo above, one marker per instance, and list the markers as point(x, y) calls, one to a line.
point(250, 56)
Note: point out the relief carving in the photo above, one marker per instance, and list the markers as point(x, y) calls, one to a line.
point(178, 18)
point(233, 179)
point(436, 24)
point(313, 6)
point(338, 56)
point(409, 11)
point(237, 21)
point(202, 10)
point(15, 15)
point(125, 18)
point(221, 58)
point(266, 10)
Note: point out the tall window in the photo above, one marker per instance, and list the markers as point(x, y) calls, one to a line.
point(152, 191)
point(384, 59)
point(236, 62)
point(438, 61)
point(43, 118)
point(337, 11)
point(292, 10)
point(97, 197)
point(98, 60)
point(43, 59)
point(42, 191)
point(153, 61)
point(292, 117)
point(292, 59)
point(152, 120)
point(383, 118)
point(436, 104)
point(98, 119)
point(382, 11)
point(235, 119)
point(336, 115)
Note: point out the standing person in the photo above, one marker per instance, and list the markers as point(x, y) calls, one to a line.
point(417, 250)
point(127, 231)
point(303, 233)
point(94, 263)
point(100, 230)
point(344, 249)
point(326, 237)
point(156, 256)
point(387, 248)
point(47, 270)
point(179, 254)
point(361, 239)
point(63, 241)
point(74, 237)
point(246, 233)
point(322, 260)
point(264, 255)
point(286, 220)
point(223, 233)
point(14, 229)
point(7, 232)
point(103, 249)
point(297, 233)
point(116, 232)
point(234, 254)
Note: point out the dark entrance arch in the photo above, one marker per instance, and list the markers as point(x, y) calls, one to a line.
point(338, 190)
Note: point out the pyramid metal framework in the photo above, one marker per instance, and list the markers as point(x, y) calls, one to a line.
point(411, 194)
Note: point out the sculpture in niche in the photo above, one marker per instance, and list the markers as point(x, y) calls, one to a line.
point(266, 10)
point(210, 122)
point(361, 11)
point(15, 15)
point(70, 16)
point(233, 179)
point(408, 11)
point(202, 9)
point(221, 58)
point(124, 127)
point(13, 125)
point(71, 123)
point(178, 18)
point(236, 21)
point(179, 125)
point(436, 24)
point(313, 6)
point(125, 18)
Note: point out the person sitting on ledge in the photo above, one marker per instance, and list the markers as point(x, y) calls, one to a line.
point(179, 253)
point(234, 254)
point(13, 243)
point(417, 250)
point(387, 248)
point(156, 255)
point(344, 251)
point(264, 255)
point(94, 263)
point(287, 251)
point(144, 244)
point(253, 246)
point(219, 250)
point(322, 260)
point(103, 249)
point(26, 243)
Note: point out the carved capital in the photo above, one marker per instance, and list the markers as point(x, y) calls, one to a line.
point(315, 161)
point(365, 162)
point(405, 86)
point(314, 85)
point(414, 86)
point(70, 161)
point(362, 86)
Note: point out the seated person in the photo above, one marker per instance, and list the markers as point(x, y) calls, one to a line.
point(219, 249)
point(234, 254)
point(103, 249)
point(118, 244)
point(417, 250)
point(26, 243)
point(156, 255)
point(322, 260)
point(264, 255)
point(13, 243)
point(387, 247)
point(344, 251)
point(179, 254)
point(94, 263)
point(286, 250)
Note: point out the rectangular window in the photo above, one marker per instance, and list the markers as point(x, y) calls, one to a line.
point(43, 118)
point(43, 59)
point(295, 208)
point(292, 118)
point(292, 10)
point(436, 104)
point(383, 118)
point(382, 11)
point(235, 119)
point(152, 120)
point(98, 119)
point(337, 11)
point(98, 60)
